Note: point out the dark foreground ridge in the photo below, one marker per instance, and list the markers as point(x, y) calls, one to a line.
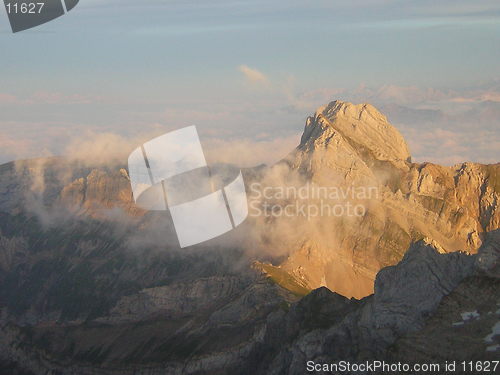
point(431, 307)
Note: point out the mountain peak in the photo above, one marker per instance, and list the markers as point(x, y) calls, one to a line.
point(362, 126)
point(339, 108)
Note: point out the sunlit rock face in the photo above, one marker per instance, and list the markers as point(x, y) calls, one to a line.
point(346, 146)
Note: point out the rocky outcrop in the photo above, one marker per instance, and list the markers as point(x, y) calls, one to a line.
point(461, 329)
point(347, 147)
point(41, 186)
point(219, 337)
point(408, 293)
point(408, 304)
point(360, 129)
point(417, 306)
point(176, 300)
point(100, 191)
point(466, 324)
point(405, 296)
point(488, 259)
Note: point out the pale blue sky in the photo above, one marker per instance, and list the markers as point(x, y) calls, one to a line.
point(131, 67)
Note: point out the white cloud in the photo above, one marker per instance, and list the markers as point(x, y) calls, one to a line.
point(249, 152)
point(6, 98)
point(253, 75)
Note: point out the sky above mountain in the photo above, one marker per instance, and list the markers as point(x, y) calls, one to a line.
point(248, 73)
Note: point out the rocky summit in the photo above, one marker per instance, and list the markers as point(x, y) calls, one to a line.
point(92, 284)
point(346, 146)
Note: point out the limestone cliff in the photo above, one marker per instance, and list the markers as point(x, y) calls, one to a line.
point(346, 146)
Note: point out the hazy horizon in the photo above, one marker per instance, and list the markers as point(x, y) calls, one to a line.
point(249, 73)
